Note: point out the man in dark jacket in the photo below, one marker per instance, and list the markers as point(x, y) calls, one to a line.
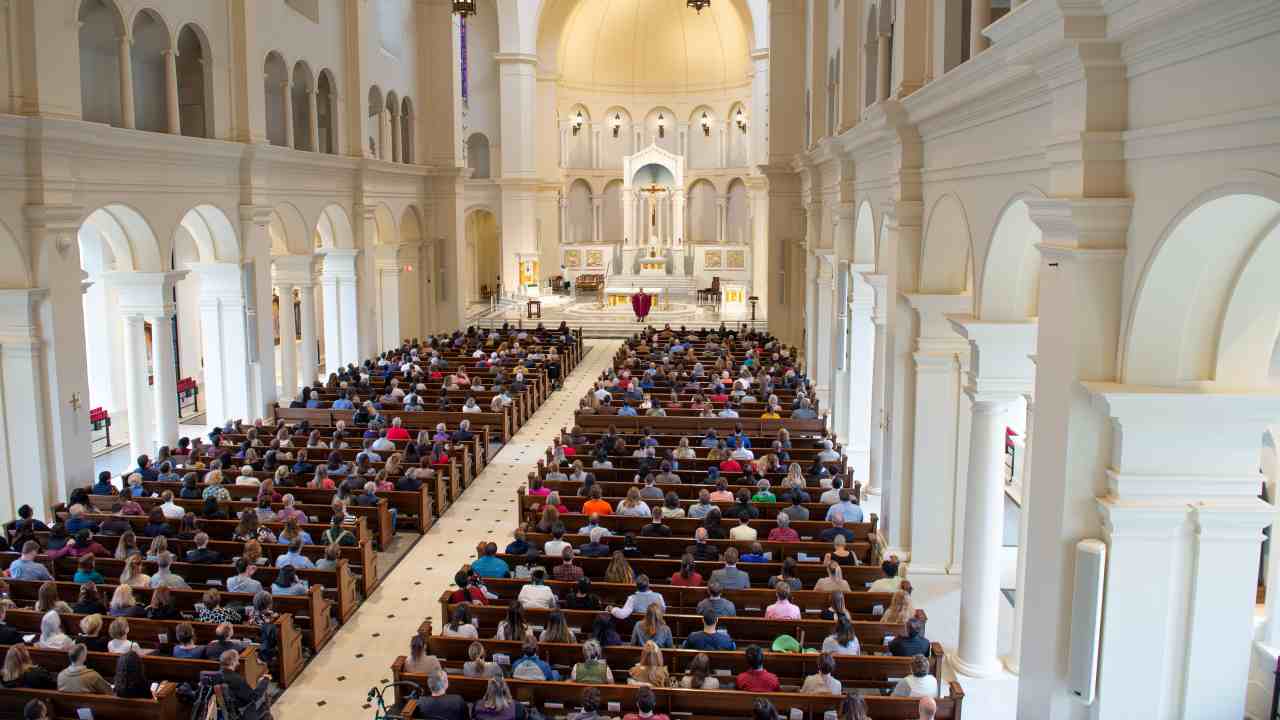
point(251, 701)
point(202, 554)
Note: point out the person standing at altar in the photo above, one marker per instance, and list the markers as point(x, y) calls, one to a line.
point(641, 304)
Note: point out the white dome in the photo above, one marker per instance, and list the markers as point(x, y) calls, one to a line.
point(654, 46)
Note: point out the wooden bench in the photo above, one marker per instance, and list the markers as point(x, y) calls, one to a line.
point(164, 706)
point(859, 576)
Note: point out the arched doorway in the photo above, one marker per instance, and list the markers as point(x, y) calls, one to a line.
point(485, 254)
point(195, 105)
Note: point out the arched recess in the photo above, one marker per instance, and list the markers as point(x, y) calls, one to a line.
point(195, 99)
point(288, 231)
point(702, 213)
point(611, 213)
point(1201, 315)
point(485, 251)
point(393, 147)
point(615, 137)
point(864, 237)
point(1009, 286)
point(739, 141)
point(114, 237)
point(580, 214)
point(275, 84)
point(738, 213)
point(333, 229)
point(375, 133)
point(704, 141)
point(415, 282)
point(101, 32)
point(946, 255)
point(406, 131)
point(150, 41)
point(327, 112)
point(478, 156)
point(204, 235)
point(578, 139)
point(300, 88)
point(660, 129)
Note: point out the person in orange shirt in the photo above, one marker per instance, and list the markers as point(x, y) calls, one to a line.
point(596, 506)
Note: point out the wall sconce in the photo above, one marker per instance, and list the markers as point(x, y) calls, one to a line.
point(577, 123)
point(617, 123)
point(662, 126)
point(740, 120)
point(706, 125)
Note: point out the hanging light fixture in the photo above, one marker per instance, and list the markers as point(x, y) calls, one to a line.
point(706, 125)
point(740, 120)
point(617, 123)
point(662, 126)
point(577, 122)
point(698, 4)
point(464, 8)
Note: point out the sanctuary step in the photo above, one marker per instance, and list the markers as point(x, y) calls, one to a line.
point(673, 284)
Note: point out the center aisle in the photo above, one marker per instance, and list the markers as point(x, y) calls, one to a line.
point(359, 656)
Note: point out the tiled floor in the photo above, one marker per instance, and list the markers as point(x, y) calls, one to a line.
point(359, 657)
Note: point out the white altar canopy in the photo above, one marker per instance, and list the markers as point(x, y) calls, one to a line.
point(652, 215)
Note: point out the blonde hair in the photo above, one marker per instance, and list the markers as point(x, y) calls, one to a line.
point(619, 570)
point(91, 624)
point(16, 662)
point(122, 597)
point(900, 608)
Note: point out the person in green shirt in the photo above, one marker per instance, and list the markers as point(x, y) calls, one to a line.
point(763, 493)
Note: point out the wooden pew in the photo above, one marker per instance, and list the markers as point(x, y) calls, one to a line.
point(859, 576)
point(65, 706)
point(674, 547)
point(157, 666)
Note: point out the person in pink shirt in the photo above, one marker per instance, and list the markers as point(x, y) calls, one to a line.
point(721, 493)
point(783, 609)
point(783, 533)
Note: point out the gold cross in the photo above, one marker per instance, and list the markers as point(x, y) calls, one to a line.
point(654, 189)
point(74, 402)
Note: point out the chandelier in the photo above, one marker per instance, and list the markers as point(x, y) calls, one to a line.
point(695, 4)
point(463, 8)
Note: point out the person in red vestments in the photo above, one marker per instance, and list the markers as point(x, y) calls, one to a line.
point(641, 304)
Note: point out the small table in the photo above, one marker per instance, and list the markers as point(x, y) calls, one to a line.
point(531, 306)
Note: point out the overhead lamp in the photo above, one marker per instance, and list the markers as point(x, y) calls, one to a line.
point(616, 123)
point(706, 125)
point(662, 126)
point(577, 122)
point(464, 8)
point(698, 4)
point(740, 120)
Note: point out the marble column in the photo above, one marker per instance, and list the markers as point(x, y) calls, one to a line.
point(288, 341)
point(225, 336)
point(147, 296)
point(126, 83)
point(862, 339)
point(286, 92)
point(135, 383)
point(597, 204)
point(387, 266)
point(25, 475)
point(722, 204)
point(979, 19)
point(1011, 661)
point(171, 93)
point(313, 121)
point(164, 392)
point(884, 67)
point(341, 330)
point(310, 361)
point(824, 345)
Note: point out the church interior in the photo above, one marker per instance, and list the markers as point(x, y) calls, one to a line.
point(443, 358)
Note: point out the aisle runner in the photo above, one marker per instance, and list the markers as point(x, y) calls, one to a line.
point(359, 657)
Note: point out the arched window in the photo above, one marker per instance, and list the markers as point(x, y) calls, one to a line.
point(300, 95)
point(406, 131)
point(150, 41)
point(478, 155)
point(392, 151)
point(194, 104)
point(326, 114)
point(869, 94)
point(276, 85)
point(375, 136)
point(101, 32)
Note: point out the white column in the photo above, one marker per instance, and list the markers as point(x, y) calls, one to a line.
point(824, 360)
point(810, 281)
point(563, 204)
point(677, 219)
point(884, 67)
point(288, 342)
point(25, 475)
point(862, 340)
point(387, 265)
point(983, 525)
point(341, 305)
point(164, 390)
point(225, 336)
point(597, 202)
point(135, 383)
point(171, 92)
point(310, 363)
point(395, 137)
point(1012, 660)
point(979, 19)
point(126, 83)
point(722, 222)
point(287, 92)
point(313, 120)
point(1001, 371)
point(595, 146)
point(879, 447)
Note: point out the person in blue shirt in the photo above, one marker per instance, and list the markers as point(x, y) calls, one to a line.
point(144, 469)
point(344, 403)
point(314, 400)
point(491, 565)
point(103, 486)
point(26, 567)
point(626, 410)
point(740, 438)
point(294, 556)
point(846, 508)
point(77, 522)
point(530, 657)
point(710, 440)
point(709, 638)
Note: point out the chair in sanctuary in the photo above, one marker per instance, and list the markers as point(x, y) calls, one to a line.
point(711, 294)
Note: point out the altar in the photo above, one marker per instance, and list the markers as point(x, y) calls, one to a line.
point(615, 295)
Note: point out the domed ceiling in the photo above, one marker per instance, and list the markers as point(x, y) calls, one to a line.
point(654, 46)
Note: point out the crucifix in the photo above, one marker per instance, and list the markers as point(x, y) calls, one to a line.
point(74, 402)
point(653, 191)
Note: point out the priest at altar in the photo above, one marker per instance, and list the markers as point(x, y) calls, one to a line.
point(641, 303)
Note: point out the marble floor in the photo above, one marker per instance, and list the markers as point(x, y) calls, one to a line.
point(335, 684)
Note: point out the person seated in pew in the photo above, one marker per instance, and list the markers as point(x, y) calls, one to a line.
point(558, 630)
point(580, 597)
point(596, 505)
point(201, 554)
point(249, 702)
point(890, 582)
point(652, 629)
point(20, 672)
point(842, 641)
point(131, 680)
point(639, 601)
point(82, 545)
point(77, 678)
point(834, 580)
point(743, 532)
point(123, 603)
point(463, 433)
point(158, 545)
point(518, 546)
point(536, 594)
point(841, 554)
point(920, 683)
point(655, 527)
point(474, 667)
point(702, 550)
point(461, 624)
point(755, 678)
point(531, 667)
point(164, 577)
point(593, 669)
point(566, 571)
point(787, 575)
point(287, 582)
point(646, 701)
point(742, 507)
point(650, 670)
point(9, 635)
point(103, 485)
point(593, 522)
point(729, 576)
point(243, 580)
point(120, 642)
point(915, 643)
point(650, 490)
point(763, 494)
point(633, 505)
point(490, 565)
point(686, 576)
point(782, 608)
point(846, 507)
point(714, 603)
point(468, 589)
point(796, 511)
point(783, 532)
point(185, 643)
point(162, 605)
point(87, 571)
point(756, 554)
point(837, 529)
point(823, 682)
